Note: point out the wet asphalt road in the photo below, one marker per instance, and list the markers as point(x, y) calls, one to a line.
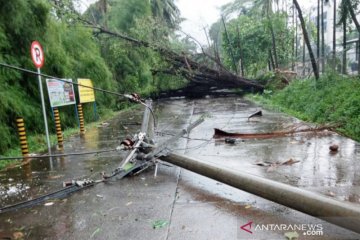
point(190, 205)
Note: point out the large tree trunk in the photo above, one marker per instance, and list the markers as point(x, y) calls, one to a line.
point(344, 62)
point(318, 32)
point(273, 39)
point(307, 40)
point(334, 38)
point(230, 46)
point(322, 38)
point(189, 69)
point(241, 52)
point(296, 38)
point(271, 60)
point(303, 57)
point(353, 17)
point(293, 43)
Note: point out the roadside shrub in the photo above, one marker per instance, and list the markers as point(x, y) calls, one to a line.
point(332, 99)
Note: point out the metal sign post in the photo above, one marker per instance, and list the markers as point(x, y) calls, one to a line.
point(37, 55)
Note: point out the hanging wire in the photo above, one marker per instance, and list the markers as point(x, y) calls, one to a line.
point(59, 79)
point(160, 133)
point(60, 155)
point(128, 96)
point(201, 145)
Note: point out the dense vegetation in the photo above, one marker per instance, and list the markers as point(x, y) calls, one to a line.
point(262, 39)
point(70, 52)
point(74, 50)
point(333, 100)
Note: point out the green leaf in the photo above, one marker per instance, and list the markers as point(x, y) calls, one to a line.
point(160, 224)
point(291, 235)
point(128, 166)
point(95, 232)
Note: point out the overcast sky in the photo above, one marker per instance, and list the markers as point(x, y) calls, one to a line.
point(198, 14)
point(203, 13)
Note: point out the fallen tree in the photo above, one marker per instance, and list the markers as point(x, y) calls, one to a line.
point(186, 67)
point(218, 133)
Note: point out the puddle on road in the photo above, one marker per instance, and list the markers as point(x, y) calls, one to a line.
point(336, 175)
point(45, 175)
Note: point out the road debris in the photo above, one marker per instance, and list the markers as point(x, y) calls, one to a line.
point(331, 194)
point(290, 162)
point(291, 235)
point(95, 232)
point(104, 124)
point(160, 224)
point(274, 165)
point(18, 235)
point(218, 133)
point(263, 164)
point(230, 140)
point(55, 176)
point(256, 114)
point(334, 148)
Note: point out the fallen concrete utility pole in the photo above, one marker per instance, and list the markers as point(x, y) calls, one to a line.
point(330, 210)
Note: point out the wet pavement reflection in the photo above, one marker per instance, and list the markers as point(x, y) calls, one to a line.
point(193, 206)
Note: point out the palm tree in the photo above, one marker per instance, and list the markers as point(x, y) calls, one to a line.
point(334, 36)
point(318, 31)
point(344, 16)
point(167, 11)
point(294, 40)
point(307, 40)
point(322, 38)
point(347, 12)
point(351, 5)
point(230, 45)
point(266, 9)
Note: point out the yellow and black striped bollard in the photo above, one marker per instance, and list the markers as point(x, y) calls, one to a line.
point(81, 119)
point(58, 129)
point(22, 135)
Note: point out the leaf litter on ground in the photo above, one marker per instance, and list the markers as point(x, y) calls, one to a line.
point(291, 235)
point(95, 232)
point(160, 224)
point(273, 166)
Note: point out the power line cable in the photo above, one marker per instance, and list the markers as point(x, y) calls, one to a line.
point(128, 96)
point(62, 80)
point(60, 155)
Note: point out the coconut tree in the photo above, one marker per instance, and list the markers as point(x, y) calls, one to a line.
point(318, 31)
point(322, 38)
point(167, 11)
point(343, 19)
point(346, 14)
point(267, 10)
point(352, 5)
point(307, 40)
point(263, 8)
point(334, 36)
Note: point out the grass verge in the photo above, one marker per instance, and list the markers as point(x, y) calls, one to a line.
point(333, 99)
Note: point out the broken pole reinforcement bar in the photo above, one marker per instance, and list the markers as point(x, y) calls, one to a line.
point(339, 213)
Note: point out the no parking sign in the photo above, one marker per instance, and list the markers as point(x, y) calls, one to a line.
point(37, 54)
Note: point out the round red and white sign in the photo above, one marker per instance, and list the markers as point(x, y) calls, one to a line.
point(37, 54)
